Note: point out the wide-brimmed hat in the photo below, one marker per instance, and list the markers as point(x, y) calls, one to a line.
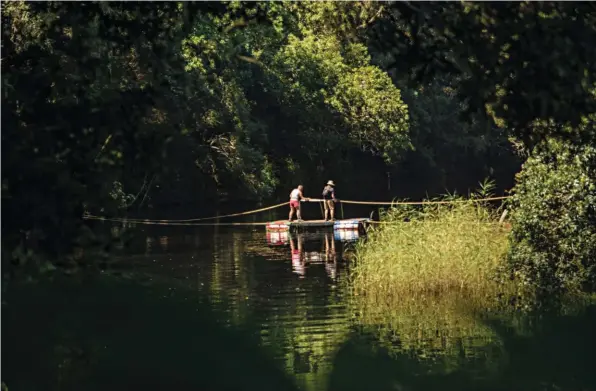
point(330, 183)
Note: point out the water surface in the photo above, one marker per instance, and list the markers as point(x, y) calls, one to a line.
point(285, 304)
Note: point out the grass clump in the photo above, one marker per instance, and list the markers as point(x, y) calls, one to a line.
point(458, 246)
point(425, 277)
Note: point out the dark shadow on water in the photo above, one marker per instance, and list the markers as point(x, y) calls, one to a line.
point(106, 334)
point(227, 309)
point(558, 355)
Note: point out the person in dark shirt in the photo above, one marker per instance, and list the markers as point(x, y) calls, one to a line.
point(329, 200)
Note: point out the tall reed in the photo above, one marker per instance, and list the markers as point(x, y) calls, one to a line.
point(426, 275)
point(438, 248)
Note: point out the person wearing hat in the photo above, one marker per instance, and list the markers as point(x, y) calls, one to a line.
point(329, 200)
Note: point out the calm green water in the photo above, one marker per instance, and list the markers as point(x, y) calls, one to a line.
point(236, 309)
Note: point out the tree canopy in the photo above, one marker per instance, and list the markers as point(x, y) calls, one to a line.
point(117, 107)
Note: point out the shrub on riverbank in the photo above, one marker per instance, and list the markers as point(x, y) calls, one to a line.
point(553, 242)
point(439, 248)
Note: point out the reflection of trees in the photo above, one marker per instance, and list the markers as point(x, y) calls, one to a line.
point(445, 330)
point(301, 321)
point(426, 343)
point(556, 354)
point(117, 335)
point(231, 282)
point(469, 334)
point(309, 330)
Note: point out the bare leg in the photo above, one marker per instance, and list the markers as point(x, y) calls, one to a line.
point(291, 213)
point(332, 209)
point(298, 213)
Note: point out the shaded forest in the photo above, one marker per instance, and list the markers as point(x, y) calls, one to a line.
point(123, 108)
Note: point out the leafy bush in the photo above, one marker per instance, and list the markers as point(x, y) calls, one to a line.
point(553, 242)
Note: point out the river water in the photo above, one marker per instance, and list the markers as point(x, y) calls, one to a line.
point(285, 304)
point(289, 288)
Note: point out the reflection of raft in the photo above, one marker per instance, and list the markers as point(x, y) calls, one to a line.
point(282, 238)
point(346, 224)
point(277, 237)
point(346, 235)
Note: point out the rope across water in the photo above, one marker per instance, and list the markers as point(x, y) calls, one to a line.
point(194, 222)
point(91, 217)
point(423, 202)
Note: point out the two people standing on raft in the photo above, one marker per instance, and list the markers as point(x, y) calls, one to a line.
point(328, 201)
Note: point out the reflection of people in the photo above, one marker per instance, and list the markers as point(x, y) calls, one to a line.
point(298, 264)
point(164, 243)
point(148, 244)
point(313, 257)
point(295, 197)
point(330, 256)
point(329, 246)
point(329, 200)
point(331, 269)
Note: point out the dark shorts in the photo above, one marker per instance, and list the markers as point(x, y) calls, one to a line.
point(294, 204)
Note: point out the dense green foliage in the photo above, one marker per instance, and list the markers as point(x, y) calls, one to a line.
point(132, 105)
point(136, 108)
point(448, 152)
point(531, 68)
point(111, 104)
point(520, 60)
point(113, 107)
point(553, 243)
